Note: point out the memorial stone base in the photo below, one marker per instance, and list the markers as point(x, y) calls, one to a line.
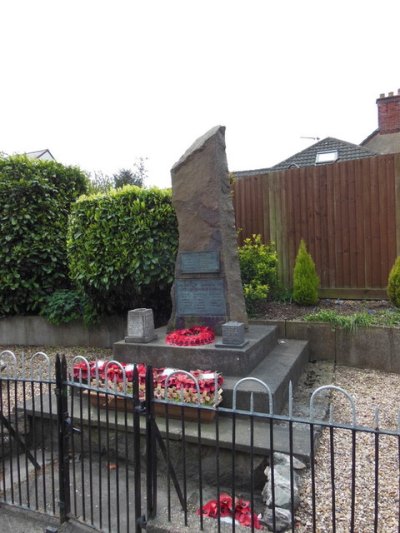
point(233, 361)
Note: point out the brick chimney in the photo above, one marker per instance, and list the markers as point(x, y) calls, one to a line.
point(389, 112)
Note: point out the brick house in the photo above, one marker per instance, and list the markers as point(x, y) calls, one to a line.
point(386, 138)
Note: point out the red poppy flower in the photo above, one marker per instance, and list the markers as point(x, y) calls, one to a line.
point(245, 519)
point(80, 370)
point(209, 509)
point(242, 506)
point(226, 504)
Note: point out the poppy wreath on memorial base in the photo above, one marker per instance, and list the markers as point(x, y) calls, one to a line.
point(201, 387)
point(195, 336)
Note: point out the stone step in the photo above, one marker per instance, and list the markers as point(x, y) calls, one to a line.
point(261, 339)
point(248, 434)
point(243, 432)
point(283, 364)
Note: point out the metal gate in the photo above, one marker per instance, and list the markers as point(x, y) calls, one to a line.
point(71, 450)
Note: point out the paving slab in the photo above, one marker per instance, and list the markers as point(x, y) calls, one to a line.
point(16, 520)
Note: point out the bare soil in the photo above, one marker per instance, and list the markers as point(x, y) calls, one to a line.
point(292, 311)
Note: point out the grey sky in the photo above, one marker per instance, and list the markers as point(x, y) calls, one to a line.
point(101, 83)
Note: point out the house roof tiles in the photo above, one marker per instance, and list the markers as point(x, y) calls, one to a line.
point(307, 157)
point(41, 154)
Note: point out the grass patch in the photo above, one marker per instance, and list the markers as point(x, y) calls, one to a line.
point(389, 318)
point(347, 322)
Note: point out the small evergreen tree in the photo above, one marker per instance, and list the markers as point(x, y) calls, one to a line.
point(393, 288)
point(305, 278)
point(137, 176)
point(126, 177)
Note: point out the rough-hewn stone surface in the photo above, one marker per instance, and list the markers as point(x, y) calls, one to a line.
point(203, 203)
point(281, 496)
point(283, 519)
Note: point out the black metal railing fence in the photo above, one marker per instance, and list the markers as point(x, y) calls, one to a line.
point(121, 460)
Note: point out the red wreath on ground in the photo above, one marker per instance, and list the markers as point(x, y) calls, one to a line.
point(238, 509)
point(195, 336)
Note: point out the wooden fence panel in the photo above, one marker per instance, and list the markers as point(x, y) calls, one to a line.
point(346, 212)
point(360, 190)
point(250, 208)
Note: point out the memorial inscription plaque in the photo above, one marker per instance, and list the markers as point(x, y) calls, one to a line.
point(199, 262)
point(204, 297)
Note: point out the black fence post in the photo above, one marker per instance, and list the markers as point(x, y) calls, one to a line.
point(151, 455)
point(63, 431)
point(140, 520)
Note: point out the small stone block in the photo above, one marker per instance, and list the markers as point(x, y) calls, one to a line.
point(140, 326)
point(233, 333)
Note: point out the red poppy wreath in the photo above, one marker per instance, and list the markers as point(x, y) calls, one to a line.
point(195, 336)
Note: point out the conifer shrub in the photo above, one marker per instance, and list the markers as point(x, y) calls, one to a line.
point(393, 288)
point(305, 278)
point(122, 247)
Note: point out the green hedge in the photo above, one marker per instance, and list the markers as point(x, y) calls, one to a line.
point(122, 247)
point(35, 198)
point(259, 271)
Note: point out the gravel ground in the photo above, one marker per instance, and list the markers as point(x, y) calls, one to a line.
point(38, 366)
point(370, 390)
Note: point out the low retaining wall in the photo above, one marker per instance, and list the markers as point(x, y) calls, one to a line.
point(373, 347)
point(36, 331)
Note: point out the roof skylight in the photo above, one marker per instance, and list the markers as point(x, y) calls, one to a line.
point(326, 157)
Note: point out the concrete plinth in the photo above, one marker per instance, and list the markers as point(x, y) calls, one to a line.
point(231, 361)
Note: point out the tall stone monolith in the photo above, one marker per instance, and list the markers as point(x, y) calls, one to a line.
point(208, 287)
